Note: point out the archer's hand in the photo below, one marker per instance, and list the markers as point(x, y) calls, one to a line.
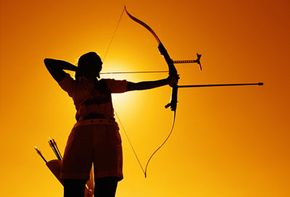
point(172, 80)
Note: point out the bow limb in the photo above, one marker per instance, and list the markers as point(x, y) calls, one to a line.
point(143, 24)
point(169, 61)
point(172, 72)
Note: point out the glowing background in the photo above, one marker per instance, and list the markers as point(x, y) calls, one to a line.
point(226, 142)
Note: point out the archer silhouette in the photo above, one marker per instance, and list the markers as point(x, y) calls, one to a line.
point(95, 138)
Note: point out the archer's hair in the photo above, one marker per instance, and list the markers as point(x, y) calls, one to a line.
point(88, 62)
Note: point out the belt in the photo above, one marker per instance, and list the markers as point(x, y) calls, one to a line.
point(95, 122)
point(92, 116)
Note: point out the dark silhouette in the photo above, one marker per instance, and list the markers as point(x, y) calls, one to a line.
point(94, 139)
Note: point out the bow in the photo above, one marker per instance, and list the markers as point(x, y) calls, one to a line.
point(172, 72)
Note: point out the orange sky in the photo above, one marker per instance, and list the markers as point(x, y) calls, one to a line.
point(226, 142)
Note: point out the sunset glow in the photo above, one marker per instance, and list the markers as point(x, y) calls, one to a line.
point(227, 141)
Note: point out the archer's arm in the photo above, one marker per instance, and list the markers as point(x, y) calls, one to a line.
point(56, 68)
point(145, 85)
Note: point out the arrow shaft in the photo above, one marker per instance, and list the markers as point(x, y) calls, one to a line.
point(54, 149)
point(221, 85)
point(134, 72)
point(40, 154)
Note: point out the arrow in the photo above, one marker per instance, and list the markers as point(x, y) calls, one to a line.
point(221, 85)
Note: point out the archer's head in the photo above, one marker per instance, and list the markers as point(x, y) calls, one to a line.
point(89, 65)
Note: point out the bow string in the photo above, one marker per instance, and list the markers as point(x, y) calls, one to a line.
point(172, 72)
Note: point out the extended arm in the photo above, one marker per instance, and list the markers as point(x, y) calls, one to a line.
point(56, 68)
point(144, 85)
